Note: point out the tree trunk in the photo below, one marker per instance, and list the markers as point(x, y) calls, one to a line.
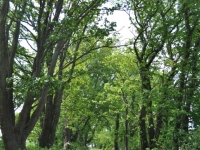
point(126, 125)
point(116, 146)
point(151, 130)
point(146, 88)
point(67, 138)
point(53, 105)
point(142, 125)
point(44, 139)
point(6, 105)
point(182, 100)
point(52, 114)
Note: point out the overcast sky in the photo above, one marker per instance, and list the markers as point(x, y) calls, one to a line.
point(123, 23)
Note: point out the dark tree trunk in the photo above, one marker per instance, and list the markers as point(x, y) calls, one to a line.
point(67, 138)
point(45, 137)
point(159, 124)
point(146, 88)
point(53, 105)
point(15, 135)
point(7, 116)
point(52, 114)
point(126, 125)
point(116, 146)
point(151, 130)
point(142, 125)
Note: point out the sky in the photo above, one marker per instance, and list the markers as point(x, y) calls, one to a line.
point(123, 23)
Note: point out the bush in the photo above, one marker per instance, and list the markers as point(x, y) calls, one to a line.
point(192, 140)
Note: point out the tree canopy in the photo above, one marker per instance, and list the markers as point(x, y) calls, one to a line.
point(67, 82)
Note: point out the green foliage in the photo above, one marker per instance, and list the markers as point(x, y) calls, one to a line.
point(33, 147)
point(191, 141)
point(154, 80)
point(1, 143)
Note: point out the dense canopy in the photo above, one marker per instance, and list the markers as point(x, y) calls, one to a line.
point(69, 81)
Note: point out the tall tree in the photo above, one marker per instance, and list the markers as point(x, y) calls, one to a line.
point(150, 23)
point(49, 28)
point(187, 83)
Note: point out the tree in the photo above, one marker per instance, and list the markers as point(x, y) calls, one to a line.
point(49, 28)
point(187, 83)
point(59, 65)
point(81, 107)
point(150, 23)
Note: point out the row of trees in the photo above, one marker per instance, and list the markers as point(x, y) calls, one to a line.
point(57, 33)
point(78, 88)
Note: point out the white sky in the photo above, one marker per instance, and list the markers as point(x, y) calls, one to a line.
point(123, 23)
